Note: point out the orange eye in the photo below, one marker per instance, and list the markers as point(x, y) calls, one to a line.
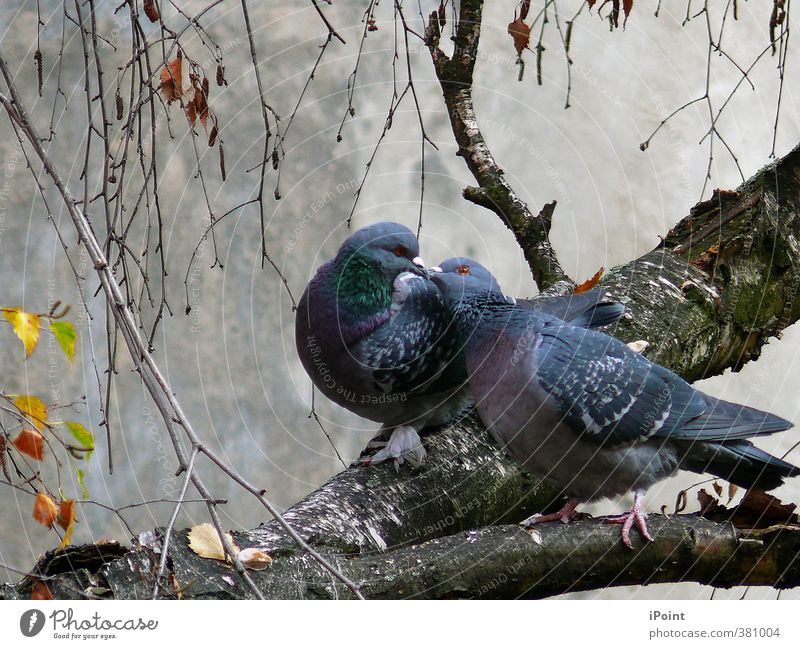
point(463, 269)
point(401, 251)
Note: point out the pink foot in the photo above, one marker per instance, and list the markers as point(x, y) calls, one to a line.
point(565, 515)
point(636, 515)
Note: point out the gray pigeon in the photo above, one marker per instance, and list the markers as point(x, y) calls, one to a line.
point(372, 332)
point(593, 417)
point(586, 309)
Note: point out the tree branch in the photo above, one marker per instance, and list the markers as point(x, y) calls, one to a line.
point(502, 561)
point(725, 279)
point(494, 192)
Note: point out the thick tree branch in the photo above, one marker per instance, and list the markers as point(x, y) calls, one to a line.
point(724, 280)
point(502, 561)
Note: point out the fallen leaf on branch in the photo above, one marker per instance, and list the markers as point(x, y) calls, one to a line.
point(204, 542)
point(255, 559)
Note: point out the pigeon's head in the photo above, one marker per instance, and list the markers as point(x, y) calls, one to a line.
point(466, 266)
point(387, 249)
point(465, 289)
point(465, 283)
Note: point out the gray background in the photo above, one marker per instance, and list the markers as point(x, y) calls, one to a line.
point(232, 361)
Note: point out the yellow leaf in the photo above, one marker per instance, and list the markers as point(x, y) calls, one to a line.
point(204, 541)
point(34, 409)
point(65, 336)
point(66, 519)
point(44, 510)
point(31, 443)
point(26, 326)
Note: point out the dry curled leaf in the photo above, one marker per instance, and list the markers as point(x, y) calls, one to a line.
point(589, 283)
point(708, 504)
point(44, 510)
point(627, 5)
point(521, 33)
point(151, 10)
point(204, 542)
point(171, 77)
point(255, 559)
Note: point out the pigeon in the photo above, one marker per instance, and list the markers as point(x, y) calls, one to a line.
point(372, 332)
point(585, 309)
point(594, 418)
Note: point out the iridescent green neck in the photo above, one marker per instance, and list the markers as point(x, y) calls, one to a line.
point(361, 286)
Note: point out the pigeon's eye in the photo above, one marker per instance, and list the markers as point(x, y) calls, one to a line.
point(401, 251)
point(463, 269)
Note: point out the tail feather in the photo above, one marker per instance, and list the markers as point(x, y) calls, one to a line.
point(724, 421)
point(739, 462)
point(600, 315)
point(585, 310)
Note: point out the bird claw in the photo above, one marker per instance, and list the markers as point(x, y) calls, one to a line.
point(636, 516)
point(404, 444)
point(565, 515)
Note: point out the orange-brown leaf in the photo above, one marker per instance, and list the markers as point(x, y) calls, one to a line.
point(589, 283)
point(524, 7)
point(31, 443)
point(44, 510)
point(66, 519)
point(521, 34)
point(171, 80)
point(191, 113)
point(627, 5)
point(41, 591)
point(66, 513)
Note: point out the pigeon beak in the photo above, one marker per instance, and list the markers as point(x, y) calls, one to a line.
point(435, 269)
point(420, 266)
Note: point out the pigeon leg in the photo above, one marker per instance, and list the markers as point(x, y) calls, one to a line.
point(381, 439)
point(637, 515)
point(565, 515)
point(404, 444)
